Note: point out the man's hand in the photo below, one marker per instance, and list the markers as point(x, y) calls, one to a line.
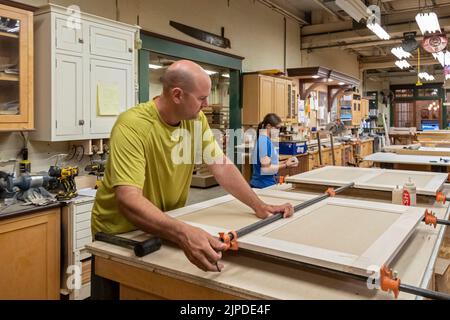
point(201, 248)
point(268, 210)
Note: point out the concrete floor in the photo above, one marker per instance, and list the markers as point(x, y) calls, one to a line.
point(199, 195)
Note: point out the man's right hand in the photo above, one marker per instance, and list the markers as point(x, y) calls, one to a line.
point(202, 249)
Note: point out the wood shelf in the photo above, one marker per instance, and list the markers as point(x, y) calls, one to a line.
point(9, 77)
point(8, 35)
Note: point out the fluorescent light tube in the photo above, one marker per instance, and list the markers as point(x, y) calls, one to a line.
point(154, 66)
point(402, 64)
point(378, 30)
point(428, 22)
point(209, 72)
point(400, 53)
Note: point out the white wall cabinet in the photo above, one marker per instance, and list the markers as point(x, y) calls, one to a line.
point(74, 59)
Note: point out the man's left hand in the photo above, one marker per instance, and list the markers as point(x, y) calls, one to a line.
point(267, 210)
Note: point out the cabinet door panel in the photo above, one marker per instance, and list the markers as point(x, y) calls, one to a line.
point(111, 43)
point(118, 78)
point(266, 97)
point(69, 95)
point(68, 37)
point(280, 99)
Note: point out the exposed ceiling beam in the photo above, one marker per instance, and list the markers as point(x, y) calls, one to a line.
point(389, 64)
point(282, 11)
point(360, 35)
point(324, 7)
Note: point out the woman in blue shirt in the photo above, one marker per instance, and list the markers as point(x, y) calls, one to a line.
point(265, 158)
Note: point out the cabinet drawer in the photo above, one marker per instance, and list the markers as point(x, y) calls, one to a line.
point(111, 43)
point(80, 226)
point(82, 208)
point(80, 243)
point(67, 37)
point(83, 233)
point(85, 216)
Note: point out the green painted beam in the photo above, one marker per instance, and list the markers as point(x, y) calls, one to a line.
point(144, 79)
point(187, 52)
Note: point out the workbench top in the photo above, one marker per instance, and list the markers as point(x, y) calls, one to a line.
point(386, 157)
point(19, 209)
point(254, 277)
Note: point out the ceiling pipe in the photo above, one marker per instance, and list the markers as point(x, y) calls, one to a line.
point(282, 11)
point(323, 6)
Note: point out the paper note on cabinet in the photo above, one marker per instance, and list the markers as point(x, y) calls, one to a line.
point(107, 100)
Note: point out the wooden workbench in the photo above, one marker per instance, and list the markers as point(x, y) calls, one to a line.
point(418, 150)
point(410, 162)
point(167, 274)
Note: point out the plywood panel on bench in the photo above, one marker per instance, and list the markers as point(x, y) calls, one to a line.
point(338, 228)
point(231, 215)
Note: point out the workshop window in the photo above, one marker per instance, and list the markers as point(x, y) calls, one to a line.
point(404, 114)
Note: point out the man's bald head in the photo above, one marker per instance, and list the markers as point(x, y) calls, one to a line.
point(183, 74)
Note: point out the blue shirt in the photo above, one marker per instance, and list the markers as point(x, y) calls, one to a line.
point(264, 148)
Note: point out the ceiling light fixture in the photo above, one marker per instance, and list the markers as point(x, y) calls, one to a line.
point(210, 73)
point(400, 53)
point(225, 75)
point(443, 58)
point(154, 66)
point(426, 76)
point(316, 77)
point(378, 30)
point(341, 83)
point(428, 22)
point(402, 64)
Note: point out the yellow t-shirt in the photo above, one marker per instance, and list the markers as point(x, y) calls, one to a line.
point(147, 153)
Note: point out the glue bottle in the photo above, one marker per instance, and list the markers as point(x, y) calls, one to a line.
point(397, 195)
point(409, 193)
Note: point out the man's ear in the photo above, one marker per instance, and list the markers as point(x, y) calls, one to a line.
point(177, 94)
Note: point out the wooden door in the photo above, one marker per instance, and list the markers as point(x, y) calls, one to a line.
point(280, 98)
point(16, 76)
point(69, 95)
point(115, 80)
point(30, 257)
point(266, 94)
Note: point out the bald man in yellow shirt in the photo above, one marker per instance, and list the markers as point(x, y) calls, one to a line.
point(143, 179)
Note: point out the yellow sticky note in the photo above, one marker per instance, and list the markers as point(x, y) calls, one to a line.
point(107, 100)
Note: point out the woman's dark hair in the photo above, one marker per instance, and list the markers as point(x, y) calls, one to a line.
point(272, 119)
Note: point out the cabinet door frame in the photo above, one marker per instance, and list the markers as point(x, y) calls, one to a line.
point(25, 119)
point(129, 98)
point(60, 58)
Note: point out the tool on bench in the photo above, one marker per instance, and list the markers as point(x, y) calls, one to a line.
point(230, 238)
point(141, 248)
point(66, 176)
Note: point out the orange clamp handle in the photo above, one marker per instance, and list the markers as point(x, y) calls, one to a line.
point(226, 239)
point(281, 179)
point(331, 192)
point(430, 219)
point(388, 283)
point(440, 197)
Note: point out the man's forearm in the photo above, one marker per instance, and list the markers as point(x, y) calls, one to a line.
point(229, 177)
point(147, 217)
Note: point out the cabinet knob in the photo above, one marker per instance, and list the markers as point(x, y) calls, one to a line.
point(81, 122)
point(80, 40)
point(130, 50)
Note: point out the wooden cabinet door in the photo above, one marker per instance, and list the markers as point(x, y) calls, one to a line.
point(30, 257)
point(116, 81)
point(266, 96)
point(69, 95)
point(16, 81)
point(280, 98)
